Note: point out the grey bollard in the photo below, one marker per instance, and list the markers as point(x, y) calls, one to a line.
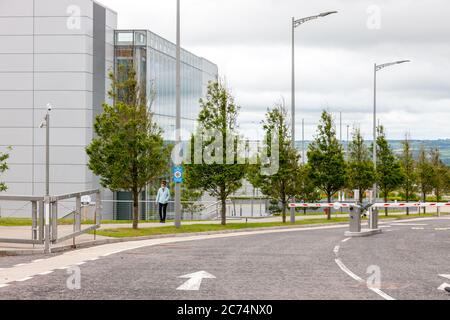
point(355, 220)
point(373, 220)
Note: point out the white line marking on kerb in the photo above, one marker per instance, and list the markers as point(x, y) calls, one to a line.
point(345, 240)
point(24, 279)
point(45, 273)
point(38, 260)
point(3, 285)
point(20, 265)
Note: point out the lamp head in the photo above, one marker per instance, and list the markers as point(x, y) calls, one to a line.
point(324, 14)
point(49, 107)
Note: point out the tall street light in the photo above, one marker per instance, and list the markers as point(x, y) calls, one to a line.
point(178, 117)
point(295, 24)
point(46, 124)
point(375, 136)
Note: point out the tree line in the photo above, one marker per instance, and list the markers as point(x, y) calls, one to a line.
point(329, 168)
point(128, 152)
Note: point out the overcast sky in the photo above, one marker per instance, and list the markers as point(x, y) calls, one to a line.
point(250, 40)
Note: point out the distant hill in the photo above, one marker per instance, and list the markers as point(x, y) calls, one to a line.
point(443, 145)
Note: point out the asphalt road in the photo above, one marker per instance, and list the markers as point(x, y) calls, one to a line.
point(300, 265)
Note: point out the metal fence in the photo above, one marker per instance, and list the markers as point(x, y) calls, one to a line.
point(199, 210)
point(54, 219)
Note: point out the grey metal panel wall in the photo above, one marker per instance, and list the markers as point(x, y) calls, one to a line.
point(99, 66)
point(99, 57)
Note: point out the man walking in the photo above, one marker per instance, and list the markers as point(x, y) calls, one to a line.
point(163, 199)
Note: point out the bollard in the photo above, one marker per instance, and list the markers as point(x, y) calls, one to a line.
point(47, 235)
point(293, 215)
point(355, 220)
point(373, 219)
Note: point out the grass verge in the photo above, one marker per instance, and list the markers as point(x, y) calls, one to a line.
point(198, 228)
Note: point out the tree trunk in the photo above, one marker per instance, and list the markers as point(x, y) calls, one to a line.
point(223, 213)
point(329, 209)
point(407, 201)
point(283, 203)
point(135, 209)
point(424, 198)
point(386, 209)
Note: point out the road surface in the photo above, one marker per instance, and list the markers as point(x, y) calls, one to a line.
point(314, 263)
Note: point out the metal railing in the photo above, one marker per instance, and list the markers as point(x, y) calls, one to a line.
point(191, 210)
point(37, 217)
point(46, 220)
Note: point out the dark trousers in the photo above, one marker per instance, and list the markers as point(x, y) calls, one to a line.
point(163, 211)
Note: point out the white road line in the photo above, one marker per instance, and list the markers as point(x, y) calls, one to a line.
point(45, 273)
point(442, 229)
point(80, 263)
point(447, 276)
point(347, 271)
point(336, 250)
point(38, 260)
point(3, 285)
point(20, 265)
point(345, 240)
point(382, 294)
point(410, 224)
point(360, 280)
point(24, 279)
point(416, 228)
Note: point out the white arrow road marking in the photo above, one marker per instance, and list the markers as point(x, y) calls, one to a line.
point(444, 286)
point(195, 281)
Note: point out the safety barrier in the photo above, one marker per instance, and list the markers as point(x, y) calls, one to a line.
point(412, 205)
point(356, 211)
point(44, 213)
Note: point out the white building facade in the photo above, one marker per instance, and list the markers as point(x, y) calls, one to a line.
point(60, 52)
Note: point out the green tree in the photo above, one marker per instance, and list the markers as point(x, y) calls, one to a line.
point(190, 198)
point(408, 166)
point(128, 151)
point(305, 190)
point(439, 174)
point(326, 159)
point(221, 174)
point(389, 171)
point(424, 174)
point(279, 185)
point(360, 169)
point(3, 167)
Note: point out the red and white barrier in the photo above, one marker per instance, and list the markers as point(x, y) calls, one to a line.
point(412, 205)
point(376, 205)
point(323, 205)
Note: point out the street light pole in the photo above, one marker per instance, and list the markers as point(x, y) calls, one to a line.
point(295, 24)
point(375, 135)
point(178, 117)
point(47, 154)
